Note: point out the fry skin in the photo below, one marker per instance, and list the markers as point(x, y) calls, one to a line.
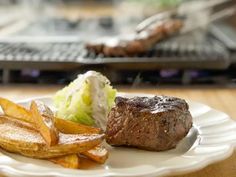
point(69, 161)
point(14, 110)
point(66, 126)
point(98, 154)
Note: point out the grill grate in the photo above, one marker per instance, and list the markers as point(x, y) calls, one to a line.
point(181, 52)
point(46, 52)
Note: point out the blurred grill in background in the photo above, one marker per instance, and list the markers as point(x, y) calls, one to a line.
point(44, 42)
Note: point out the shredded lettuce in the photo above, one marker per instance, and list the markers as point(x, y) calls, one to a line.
point(111, 95)
point(79, 101)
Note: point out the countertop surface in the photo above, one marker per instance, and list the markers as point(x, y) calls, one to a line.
point(223, 99)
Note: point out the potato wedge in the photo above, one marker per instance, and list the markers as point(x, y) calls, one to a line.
point(14, 110)
point(66, 126)
point(69, 127)
point(20, 123)
point(98, 154)
point(44, 122)
point(26, 141)
point(68, 161)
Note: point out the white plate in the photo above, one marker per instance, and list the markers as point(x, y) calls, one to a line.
point(212, 138)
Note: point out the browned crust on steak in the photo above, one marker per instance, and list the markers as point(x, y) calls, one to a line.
point(156, 123)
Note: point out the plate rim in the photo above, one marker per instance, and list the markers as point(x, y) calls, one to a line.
point(230, 146)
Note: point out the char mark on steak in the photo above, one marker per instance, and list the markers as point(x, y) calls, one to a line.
point(152, 123)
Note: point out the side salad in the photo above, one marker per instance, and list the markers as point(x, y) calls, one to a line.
point(86, 100)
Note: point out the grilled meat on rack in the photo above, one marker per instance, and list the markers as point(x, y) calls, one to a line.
point(138, 42)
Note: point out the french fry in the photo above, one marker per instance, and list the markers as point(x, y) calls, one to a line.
point(66, 126)
point(5, 118)
point(44, 121)
point(22, 130)
point(14, 110)
point(20, 138)
point(68, 161)
point(98, 154)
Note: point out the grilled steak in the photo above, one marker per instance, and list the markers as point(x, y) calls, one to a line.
point(137, 42)
point(152, 123)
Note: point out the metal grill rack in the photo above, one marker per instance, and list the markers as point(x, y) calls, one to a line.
point(176, 53)
point(185, 52)
point(192, 51)
point(45, 56)
point(45, 52)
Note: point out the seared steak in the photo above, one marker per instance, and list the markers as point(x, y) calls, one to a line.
point(152, 123)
